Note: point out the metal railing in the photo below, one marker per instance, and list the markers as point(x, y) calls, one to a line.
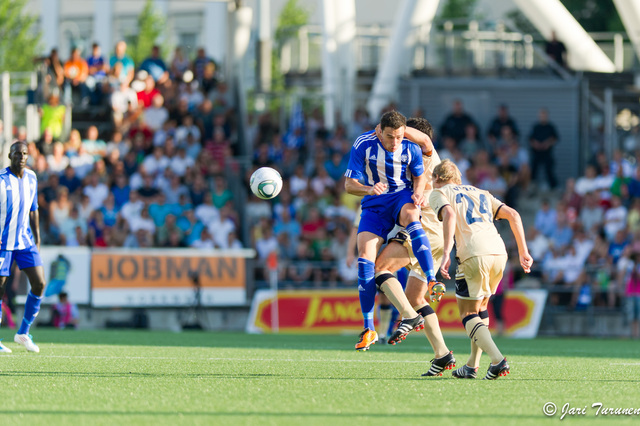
point(449, 45)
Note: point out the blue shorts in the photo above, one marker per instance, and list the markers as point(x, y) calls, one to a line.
point(26, 258)
point(380, 213)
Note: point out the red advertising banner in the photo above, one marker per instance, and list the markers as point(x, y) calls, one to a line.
point(339, 311)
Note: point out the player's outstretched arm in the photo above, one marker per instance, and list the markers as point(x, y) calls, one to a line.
point(353, 187)
point(419, 138)
point(448, 216)
point(515, 222)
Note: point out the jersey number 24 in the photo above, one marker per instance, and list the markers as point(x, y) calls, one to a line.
point(483, 208)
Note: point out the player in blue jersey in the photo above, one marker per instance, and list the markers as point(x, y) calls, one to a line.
point(20, 242)
point(393, 182)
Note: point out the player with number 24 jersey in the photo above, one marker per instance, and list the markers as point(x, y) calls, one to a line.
point(477, 235)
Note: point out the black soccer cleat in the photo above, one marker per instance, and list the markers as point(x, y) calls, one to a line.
point(405, 327)
point(495, 371)
point(438, 365)
point(465, 372)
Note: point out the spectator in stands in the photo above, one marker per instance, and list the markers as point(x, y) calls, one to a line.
point(206, 212)
point(146, 95)
point(69, 234)
point(96, 191)
point(233, 243)
point(93, 145)
point(221, 195)
point(52, 117)
point(165, 229)
point(179, 64)
point(110, 211)
point(127, 67)
point(155, 66)
point(455, 123)
point(98, 70)
point(83, 162)
point(57, 161)
point(76, 72)
point(556, 50)
point(156, 115)
point(72, 146)
point(615, 218)
point(634, 185)
point(199, 64)
point(204, 241)
point(96, 230)
point(122, 101)
point(494, 183)
point(301, 269)
point(143, 222)
point(546, 219)
point(70, 180)
point(503, 119)
point(198, 191)
point(223, 226)
point(190, 226)
point(562, 235)
point(542, 139)
point(209, 78)
point(54, 73)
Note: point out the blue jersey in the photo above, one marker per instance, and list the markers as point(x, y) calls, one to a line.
point(371, 163)
point(18, 197)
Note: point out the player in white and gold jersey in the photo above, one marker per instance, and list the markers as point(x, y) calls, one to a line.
point(399, 254)
point(468, 214)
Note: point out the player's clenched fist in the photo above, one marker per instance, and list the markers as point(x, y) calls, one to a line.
point(378, 188)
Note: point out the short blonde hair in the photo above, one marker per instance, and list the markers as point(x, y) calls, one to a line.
point(447, 171)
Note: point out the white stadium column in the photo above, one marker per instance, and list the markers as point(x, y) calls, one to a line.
point(50, 23)
point(345, 39)
point(629, 11)
point(329, 49)
point(411, 15)
point(550, 15)
point(103, 26)
point(214, 31)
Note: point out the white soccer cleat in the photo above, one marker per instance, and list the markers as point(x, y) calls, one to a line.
point(25, 340)
point(4, 349)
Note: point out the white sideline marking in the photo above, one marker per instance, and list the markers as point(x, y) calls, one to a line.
point(226, 359)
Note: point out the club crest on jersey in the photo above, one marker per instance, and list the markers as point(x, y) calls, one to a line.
point(404, 158)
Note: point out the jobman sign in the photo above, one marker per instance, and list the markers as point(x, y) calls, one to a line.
point(168, 278)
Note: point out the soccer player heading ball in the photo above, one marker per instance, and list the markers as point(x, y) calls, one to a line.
point(21, 242)
point(468, 213)
point(393, 177)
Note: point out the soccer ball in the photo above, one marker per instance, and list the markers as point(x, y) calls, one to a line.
point(266, 183)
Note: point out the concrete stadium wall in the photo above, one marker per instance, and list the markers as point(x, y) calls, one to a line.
point(481, 98)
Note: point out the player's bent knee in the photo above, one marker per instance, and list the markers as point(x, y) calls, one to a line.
point(381, 278)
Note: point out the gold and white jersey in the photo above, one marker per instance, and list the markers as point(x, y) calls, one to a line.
point(429, 220)
point(475, 209)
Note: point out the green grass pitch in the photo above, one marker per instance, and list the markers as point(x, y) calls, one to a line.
point(157, 378)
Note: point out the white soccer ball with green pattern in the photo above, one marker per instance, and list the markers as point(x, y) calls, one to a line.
point(266, 183)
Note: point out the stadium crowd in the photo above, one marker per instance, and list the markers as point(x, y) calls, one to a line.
point(157, 178)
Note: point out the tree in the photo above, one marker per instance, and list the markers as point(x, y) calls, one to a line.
point(292, 17)
point(150, 26)
point(19, 42)
point(453, 9)
point(595, 15)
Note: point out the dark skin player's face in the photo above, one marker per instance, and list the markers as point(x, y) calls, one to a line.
point(18, 156)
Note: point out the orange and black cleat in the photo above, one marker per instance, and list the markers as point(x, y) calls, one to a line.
point(368, 337)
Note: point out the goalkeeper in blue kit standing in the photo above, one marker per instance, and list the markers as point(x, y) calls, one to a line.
point(393, 177)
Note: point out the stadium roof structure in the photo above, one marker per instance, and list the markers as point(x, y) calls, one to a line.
point(548, 16)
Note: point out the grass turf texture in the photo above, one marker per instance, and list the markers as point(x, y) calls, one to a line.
point(137, 377)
